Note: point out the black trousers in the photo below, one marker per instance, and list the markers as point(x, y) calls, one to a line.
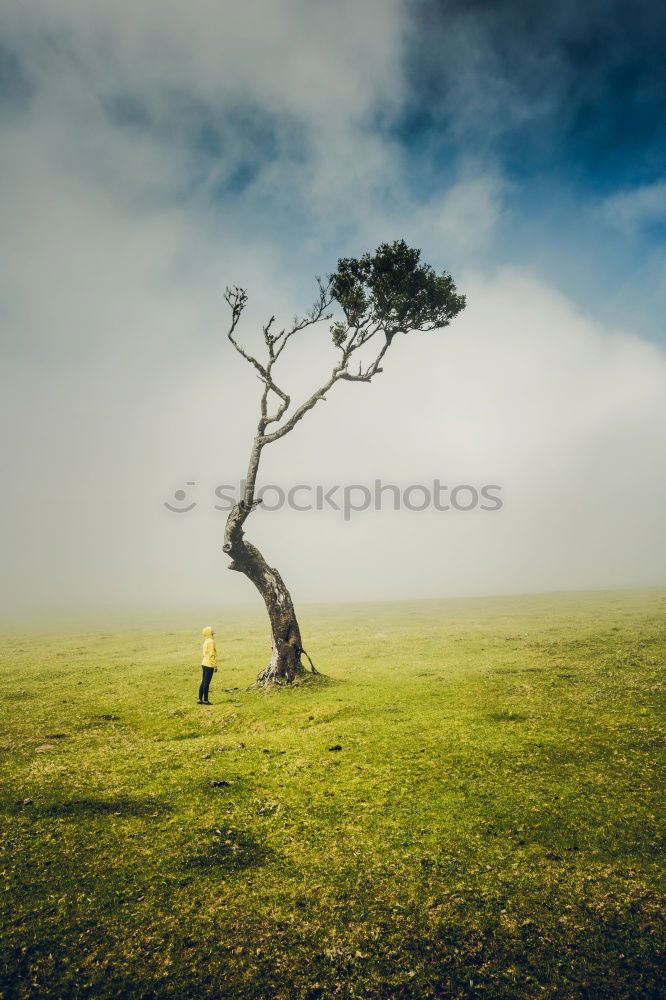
point(205, 683)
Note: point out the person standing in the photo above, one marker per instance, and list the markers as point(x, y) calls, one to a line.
point(208, 664)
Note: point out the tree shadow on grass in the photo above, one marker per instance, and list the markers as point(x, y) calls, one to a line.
point(97, 721)
point(230, 850)
point(105, 807)
point(507, 717)
point(502, 671)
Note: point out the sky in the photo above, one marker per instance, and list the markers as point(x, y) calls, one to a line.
point(155, 153)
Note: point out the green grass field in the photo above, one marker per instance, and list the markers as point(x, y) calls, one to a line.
point(465, 804)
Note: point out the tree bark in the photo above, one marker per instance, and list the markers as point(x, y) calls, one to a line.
point(285, 663)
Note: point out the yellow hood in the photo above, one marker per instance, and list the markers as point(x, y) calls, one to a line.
point(209, 652)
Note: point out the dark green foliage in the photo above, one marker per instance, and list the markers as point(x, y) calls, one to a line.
point(338, 332)
point(393, 290)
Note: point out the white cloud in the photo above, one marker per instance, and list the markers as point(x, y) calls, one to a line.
point(318, 72)
point(631, 209)
point(117, 174)
point(464, 219)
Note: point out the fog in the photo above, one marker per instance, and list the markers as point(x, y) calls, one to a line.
point(153, 158)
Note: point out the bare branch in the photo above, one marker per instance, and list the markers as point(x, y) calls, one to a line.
point(340, 373)
point(302, 409)
point(268, 336)
point(316, 313)
point(357, 336)
point(282, 408)
point(236, 299)
point(365, 375)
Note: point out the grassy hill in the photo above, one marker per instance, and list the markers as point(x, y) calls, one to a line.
point(464, 804)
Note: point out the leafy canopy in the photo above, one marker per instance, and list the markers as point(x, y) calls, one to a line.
point(391, 290)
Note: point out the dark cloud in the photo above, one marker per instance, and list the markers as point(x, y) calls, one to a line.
point(566, 86)
point(15, 84)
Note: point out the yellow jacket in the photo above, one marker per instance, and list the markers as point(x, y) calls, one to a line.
point(209, 650)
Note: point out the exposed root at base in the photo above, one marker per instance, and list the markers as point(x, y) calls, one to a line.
point(312, 666)
point(298, 681)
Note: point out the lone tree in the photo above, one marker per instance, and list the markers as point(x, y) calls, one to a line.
point(373, 298)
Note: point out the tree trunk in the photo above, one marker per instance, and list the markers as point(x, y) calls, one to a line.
point(285, 664)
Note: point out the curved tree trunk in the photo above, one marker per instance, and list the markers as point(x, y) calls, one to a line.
point(285, 664)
